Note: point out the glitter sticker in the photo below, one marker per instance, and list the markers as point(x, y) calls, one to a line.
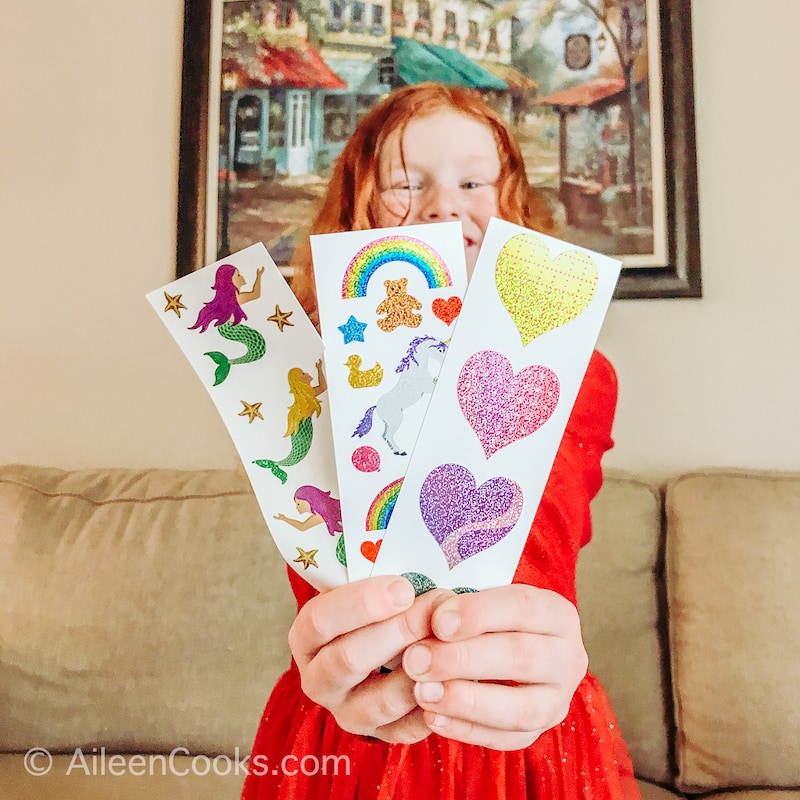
point(362, 378)
point(352, 330)
point(446, 310)
point(366, 459)
point(466, 519)
point(502, 407)
point(421, 583)
point(541, 293)
point(398, 306)
point(380, 511)
point(386, 250)
point(416, 379)
point(370, 549)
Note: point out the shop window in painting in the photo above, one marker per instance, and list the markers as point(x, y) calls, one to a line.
point(284, 13)
point(377, 28)
point(358, 13)
point(336, 118)
point(450, 32)
point(473, 35)
point(277, 119)
point(398, 13)
point(423, 23)
point(336, 16)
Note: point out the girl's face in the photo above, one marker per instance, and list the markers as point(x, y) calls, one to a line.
point(447, 170)
point(302, 506)
point(238, 279)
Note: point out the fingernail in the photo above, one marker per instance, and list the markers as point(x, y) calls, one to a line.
point(447, 623)
point(402, 593)
point(439, 721)
point(430, 691)
point(418, 660)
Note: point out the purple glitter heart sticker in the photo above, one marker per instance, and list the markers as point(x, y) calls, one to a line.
point(502, 407)
point(466, 519)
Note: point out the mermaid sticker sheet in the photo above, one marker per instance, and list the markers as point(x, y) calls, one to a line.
point(260, 359)
point(388, 303)
point(526, 333)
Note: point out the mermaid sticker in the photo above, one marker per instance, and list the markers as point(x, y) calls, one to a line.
point(322, 508)
point(225, 311)
point(299, 426)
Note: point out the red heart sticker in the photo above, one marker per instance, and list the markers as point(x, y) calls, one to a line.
point(446, 310)
point(370, 550)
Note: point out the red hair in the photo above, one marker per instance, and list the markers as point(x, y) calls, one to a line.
point(351, 195)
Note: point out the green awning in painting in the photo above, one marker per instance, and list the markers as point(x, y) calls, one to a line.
point(417, 62)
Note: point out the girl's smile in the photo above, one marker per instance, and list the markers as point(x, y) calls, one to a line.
point(445, 168)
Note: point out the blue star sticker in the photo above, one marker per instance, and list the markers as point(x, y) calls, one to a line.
point(353, 330)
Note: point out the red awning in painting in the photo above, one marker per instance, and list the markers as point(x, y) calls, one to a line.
point(299, 66)
point(585, 95)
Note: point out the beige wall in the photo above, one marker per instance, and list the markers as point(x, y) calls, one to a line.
point(88, 155)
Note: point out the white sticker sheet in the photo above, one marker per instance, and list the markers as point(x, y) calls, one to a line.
point(389, 300)
point(261, 361)
point(526, 332)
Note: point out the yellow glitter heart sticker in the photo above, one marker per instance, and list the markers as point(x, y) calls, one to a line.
point(542, 293)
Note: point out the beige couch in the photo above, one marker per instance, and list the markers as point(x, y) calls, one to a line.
point(143, 617)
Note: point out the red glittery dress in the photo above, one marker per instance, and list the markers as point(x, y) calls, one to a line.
point(583, 757)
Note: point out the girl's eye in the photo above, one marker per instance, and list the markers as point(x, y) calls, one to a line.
point(472, 185)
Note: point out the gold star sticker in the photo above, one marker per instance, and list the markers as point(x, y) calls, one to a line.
point(174, 304)
point(306, 558)
point(281, 318)
point(251, 410)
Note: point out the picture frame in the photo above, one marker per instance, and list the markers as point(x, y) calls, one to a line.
point(615, 152)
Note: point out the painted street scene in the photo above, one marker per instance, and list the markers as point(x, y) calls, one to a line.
point(570, 76)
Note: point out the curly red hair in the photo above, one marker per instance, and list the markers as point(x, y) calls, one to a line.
point(349, 203)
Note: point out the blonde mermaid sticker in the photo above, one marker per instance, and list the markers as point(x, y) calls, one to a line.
point(225, 311)
point(299, 426)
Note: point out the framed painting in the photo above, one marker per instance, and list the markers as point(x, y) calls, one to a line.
point(598, 92)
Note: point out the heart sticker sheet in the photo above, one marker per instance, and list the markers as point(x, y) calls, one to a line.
point(525, 335)
point(388, 303)
point(260, 359)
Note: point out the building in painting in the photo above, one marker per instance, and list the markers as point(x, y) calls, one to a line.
point(295, 83)
point(604, 152)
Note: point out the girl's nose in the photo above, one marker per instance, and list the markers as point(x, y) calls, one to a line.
point(441, 203)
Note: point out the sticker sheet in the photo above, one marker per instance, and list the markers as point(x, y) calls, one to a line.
point(526, 333)
point(260, 359)
point(388, 303)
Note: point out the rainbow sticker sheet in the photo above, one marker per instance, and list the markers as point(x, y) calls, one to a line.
point(388, 303)
point(260, 359)
point(525, 335)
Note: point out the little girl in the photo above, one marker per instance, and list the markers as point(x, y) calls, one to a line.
point(492, 698)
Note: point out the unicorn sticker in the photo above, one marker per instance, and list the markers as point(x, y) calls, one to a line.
point(225, 311)
point(414, 382)
point(299, 423)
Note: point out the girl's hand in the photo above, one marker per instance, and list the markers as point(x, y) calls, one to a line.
point(502, 668)
point(340, 640)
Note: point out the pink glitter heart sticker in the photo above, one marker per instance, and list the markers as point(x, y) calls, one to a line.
point(502, 407)
point(466, 519)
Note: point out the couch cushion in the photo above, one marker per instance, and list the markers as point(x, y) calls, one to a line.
point(733, 579)
point(87, 776)
point(619, 587)
point(139, 610)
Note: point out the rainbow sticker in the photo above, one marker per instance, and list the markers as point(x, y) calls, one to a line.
point(368, 260)
point(380, 512)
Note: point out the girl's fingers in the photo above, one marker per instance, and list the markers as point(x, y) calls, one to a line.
point(347, 608)
point(464, 705)
point(382, 706)
point(519, 657)
point(336, 669)
point(517, 607)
